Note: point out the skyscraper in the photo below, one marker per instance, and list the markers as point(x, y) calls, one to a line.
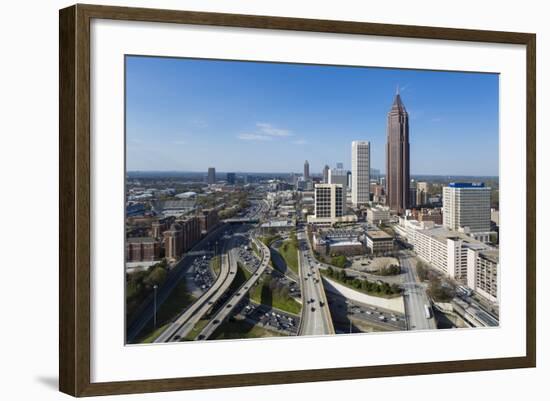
point(338, 176)
point(397, 157)
point(468, 206)
point(231, 178)
point(360, 172)
point(211, 175)
point(325, 174)
point(306, 170)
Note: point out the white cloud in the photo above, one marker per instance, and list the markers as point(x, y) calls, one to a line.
point(179, 142)
point(299, 142)
point(254, 137)
point(270, 130)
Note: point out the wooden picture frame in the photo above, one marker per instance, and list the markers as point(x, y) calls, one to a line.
point(74, 203)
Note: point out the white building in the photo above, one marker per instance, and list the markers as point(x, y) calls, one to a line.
point(442, 248)
point(467, 208)
point(483, 267)
point(360, 172)
point(378, 214)
point(330, 205)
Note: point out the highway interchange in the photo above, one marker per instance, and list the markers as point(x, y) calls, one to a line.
point(222, 301)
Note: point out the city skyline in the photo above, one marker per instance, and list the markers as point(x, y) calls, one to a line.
point(178, 107)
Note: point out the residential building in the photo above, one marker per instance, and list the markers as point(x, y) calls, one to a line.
point(360, 172)
point(483, 270)
point(442, 248)
point(142, 249)
point(397, 158)
point(173, 242)
point(467, 208)
point(208, 219)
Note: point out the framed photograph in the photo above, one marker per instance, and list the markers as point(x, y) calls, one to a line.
point(249, 200)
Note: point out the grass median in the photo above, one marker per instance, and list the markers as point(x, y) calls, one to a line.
point(289, 252)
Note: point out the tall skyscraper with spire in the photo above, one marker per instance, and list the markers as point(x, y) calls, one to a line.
point(306, 170)
point(397, 157)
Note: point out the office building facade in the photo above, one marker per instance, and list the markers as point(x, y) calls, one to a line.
point(467, 208)
point(211, 175)
point(360, 172)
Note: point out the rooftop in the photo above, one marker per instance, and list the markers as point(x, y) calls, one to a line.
point(467, 185)
point(490, 254)
point(378, 234)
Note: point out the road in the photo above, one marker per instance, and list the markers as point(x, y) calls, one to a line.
point(174, 276)
point(187, 320)
point(415, 297)
point(229, 306)
point(316, 318)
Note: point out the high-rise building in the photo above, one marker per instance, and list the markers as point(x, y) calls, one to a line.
point(467, 207)
point(211, 175)
point(483, 266)
point(375, 174)
point(325, 174)
point(173, 245)
point(306, 170)
point(360, 172)
point(231, 178)
point(397, 158)
point(329, 204)
point(142, 249)
point(338, 176)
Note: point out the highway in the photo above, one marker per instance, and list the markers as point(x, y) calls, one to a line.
point(187, 320)
point(229, 306)
point(174, 276)
point(415, 297)
point(316, 318)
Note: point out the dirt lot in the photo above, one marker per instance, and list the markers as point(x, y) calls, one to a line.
point(364, 264)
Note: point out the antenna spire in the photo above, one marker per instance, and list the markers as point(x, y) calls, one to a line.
point(397, 90)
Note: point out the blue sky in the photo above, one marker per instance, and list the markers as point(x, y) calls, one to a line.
point(188, 114)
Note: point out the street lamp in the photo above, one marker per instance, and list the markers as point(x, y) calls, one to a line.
point(155, 306)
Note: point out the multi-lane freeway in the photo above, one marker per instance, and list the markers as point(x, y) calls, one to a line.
point(416, 300)
point(145, 314)
point(316, 319)
point(234, 300)
point(187, 320)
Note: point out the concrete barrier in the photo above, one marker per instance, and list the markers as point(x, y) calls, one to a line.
point(394, 304)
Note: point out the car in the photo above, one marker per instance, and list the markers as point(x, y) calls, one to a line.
point(229, 306)
point(321, 303)
point(200, 337)
point(215, 321)
point(313, 309)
